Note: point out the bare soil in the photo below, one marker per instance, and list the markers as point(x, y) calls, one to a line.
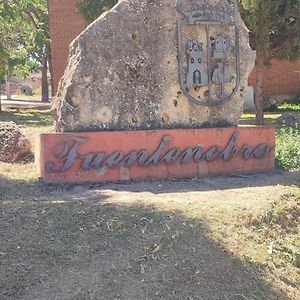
point(151, 240)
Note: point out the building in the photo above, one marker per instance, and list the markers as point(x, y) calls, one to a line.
point(281, 78)
point(65, 25)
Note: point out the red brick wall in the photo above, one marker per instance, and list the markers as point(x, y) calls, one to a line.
point(281, 78)
point(65, 25)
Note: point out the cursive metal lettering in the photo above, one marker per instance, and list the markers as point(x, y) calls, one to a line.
point(67, 154)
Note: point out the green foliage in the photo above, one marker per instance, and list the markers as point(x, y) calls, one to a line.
point(274, 33)
point(288, 148)
point(289, 107)
point(274, 27)
point(24, 35)
point(92, 9)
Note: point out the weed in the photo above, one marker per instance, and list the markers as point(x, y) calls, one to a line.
point(288, 148)
point(283, 214)
point(289, 107)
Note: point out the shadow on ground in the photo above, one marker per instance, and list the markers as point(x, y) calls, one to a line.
point(211, 184)
point(162, 186)
point(71, 242)
point(27, 118)
point(88, 249)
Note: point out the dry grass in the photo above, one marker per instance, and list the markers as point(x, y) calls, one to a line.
point(249, 118)
point(32, 123)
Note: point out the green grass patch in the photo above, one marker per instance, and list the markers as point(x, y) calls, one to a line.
point(289, 107)
point(287, 140)
point(36, 96)
point(288, 148)
point(27, 118)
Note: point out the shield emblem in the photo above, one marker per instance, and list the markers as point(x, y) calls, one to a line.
point(208, 51)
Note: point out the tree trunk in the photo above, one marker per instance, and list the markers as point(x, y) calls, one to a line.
point(0, 100)
point(7, 83)
point(51, 73)
point(45, 86)
point(258, 91)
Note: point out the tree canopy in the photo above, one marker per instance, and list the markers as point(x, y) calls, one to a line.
point(274, 27)
point(275, 33)
point(25, 37)
point(92, 9)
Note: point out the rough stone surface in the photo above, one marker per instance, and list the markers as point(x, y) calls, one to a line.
point(13, 144)
point(123, 74)
point(289, 119)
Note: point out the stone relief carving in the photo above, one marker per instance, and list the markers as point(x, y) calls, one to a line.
point(213, 61)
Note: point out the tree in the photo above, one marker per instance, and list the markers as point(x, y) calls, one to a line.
point(12, 55)
point(2, 67)
point(29, 18)
point(275, 33)
point(37, 41)
point(92, 9)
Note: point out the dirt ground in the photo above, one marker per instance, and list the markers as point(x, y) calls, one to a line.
point(173, 239)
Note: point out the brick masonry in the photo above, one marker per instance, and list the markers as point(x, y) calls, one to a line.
point(65, 25)
point(281, 78)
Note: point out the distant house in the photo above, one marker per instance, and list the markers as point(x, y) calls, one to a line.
point(34, 80)
point(282, 78)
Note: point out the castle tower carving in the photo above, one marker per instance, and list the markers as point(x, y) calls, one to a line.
point(197, 73)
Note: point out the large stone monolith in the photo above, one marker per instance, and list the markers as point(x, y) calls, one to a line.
point(124, 73)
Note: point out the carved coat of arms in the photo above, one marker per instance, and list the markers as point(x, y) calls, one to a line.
point(208, 51)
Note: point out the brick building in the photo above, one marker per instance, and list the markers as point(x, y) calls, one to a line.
point(65, 25)
point(282, 78)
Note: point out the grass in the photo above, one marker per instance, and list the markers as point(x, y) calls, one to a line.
point(289, 107)
point(287, 141)
point(249, 118)
point(32, 123)
point(28, 98)
point(212, 238)
point(37, 95)
point(267, 241)
point(288, 148)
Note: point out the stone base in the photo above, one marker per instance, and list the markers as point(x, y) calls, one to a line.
point(143, 155)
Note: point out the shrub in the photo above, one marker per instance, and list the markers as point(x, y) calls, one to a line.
point(288, 148)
